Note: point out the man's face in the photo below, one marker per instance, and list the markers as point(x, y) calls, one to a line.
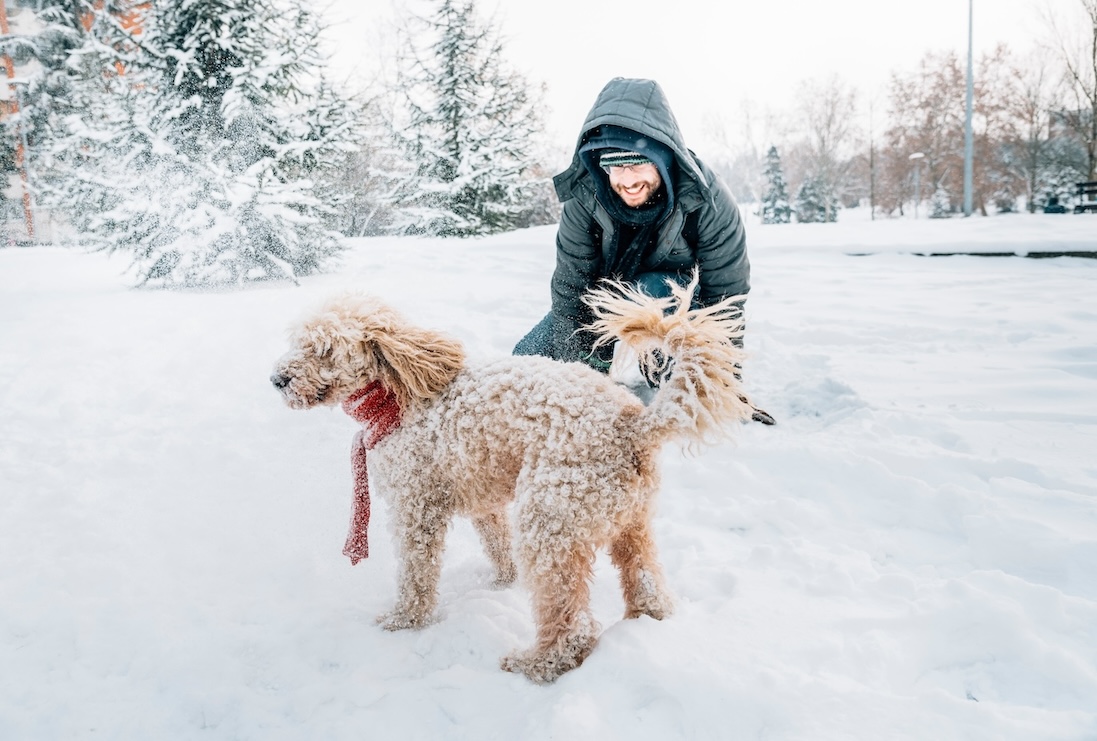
point(635, 184)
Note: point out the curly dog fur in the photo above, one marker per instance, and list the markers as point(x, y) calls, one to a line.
point(575, 452)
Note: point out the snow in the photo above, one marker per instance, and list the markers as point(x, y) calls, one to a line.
point(909, 554)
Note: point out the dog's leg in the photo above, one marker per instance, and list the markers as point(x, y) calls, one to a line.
point(421, 533)
point(494, 532)
point(633, 553)
point(566, 629)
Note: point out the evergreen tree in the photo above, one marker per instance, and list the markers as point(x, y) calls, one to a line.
point(371, 176)
point(775, 203)
point(940, 206)
point(43, 90)
point(814, 203)
point(466, 125)
point(808, 203)
point(1065, 162)
point(199, 145)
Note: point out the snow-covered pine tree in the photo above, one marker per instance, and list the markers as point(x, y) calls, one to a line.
point(80, 50)
point(467, 125)
point(370, 175)
point(809, 202)
point(940, 205)
point(198, 142)
point(775, 203)
point(812, 202)
point(1063, 166)
point(39, 46)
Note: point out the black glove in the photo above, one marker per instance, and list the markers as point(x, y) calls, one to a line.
point(600, 359)
point(758, 415)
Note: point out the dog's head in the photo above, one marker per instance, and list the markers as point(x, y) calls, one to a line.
point(355, 340)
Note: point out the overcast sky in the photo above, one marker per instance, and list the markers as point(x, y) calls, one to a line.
point(712, 55)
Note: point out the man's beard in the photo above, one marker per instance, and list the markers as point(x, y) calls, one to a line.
point(651, 191)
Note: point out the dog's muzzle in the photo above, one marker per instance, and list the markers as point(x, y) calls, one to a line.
point(280, 381)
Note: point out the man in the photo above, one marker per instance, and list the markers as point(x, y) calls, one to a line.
point(640, 207)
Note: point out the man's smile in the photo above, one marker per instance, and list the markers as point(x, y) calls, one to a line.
point(635, 184)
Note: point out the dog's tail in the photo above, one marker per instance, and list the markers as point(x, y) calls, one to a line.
point(691, 351)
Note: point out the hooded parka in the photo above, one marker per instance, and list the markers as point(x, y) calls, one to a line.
point(586, 242)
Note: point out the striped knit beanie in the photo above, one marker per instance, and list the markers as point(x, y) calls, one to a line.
point(620, 158)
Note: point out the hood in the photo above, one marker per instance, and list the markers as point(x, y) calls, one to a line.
point(637, 105)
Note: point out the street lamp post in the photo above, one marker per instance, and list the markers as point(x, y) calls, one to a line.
point(917, 158)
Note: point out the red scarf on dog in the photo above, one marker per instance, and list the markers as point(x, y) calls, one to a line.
point(375, 407)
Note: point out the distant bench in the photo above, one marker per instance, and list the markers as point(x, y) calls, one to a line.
point(1087, 196)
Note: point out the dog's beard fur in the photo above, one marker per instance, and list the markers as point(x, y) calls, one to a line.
point(310, 384)
point(325, 365)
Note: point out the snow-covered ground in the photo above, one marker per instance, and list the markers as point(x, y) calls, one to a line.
point(910, 554)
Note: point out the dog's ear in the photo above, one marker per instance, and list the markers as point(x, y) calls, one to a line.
point(417, 363)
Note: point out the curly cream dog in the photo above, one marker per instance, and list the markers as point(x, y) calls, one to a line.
point(574, 451)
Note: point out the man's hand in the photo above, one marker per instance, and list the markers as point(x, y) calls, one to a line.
point(758, 415)
point(602, 366)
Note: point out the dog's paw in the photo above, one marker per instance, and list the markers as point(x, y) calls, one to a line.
point(649, 597)
point(397, 620)
point(658, 611)
point(538, 670)
point(657, 605)
point(543, 668)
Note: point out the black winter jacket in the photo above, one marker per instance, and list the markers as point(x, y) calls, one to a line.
point(586, 234)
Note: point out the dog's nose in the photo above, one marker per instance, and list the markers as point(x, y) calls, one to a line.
point(280, 381)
